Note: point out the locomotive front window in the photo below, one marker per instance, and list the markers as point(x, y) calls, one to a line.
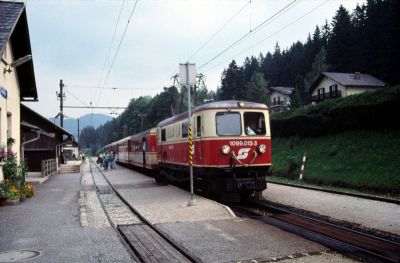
point(228, 123)
point(254, 123)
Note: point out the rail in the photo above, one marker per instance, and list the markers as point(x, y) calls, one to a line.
point(49, 167)
point(181, 254)
point(345, 240)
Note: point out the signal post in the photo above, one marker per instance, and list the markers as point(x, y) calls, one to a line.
point(187, 75)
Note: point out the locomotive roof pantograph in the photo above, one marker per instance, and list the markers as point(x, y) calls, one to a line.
point(227, 104)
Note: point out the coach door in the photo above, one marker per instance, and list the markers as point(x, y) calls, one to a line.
point(144, 147)
point(198, 145)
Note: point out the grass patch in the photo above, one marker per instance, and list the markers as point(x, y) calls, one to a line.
point(366, 161)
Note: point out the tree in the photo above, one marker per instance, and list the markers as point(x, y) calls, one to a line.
point(339, 50)
point(257, 89)
point(232, 83)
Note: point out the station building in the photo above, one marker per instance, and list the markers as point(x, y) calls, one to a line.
point(17, 78)
point(19, 125)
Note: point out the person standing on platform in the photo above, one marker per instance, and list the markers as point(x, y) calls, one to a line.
point(105, 161)
point(113, 162)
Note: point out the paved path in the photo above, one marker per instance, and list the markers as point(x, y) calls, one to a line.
point(50, 223)
point(366, 213)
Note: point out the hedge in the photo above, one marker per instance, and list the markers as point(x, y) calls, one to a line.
point(367, 111)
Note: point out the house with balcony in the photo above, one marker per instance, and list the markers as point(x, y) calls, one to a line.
point(330, 85)
point(280, 98)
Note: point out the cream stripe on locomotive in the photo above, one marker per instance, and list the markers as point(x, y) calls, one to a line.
point(220, 138)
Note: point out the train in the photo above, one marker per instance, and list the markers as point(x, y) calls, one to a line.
point(231, 149)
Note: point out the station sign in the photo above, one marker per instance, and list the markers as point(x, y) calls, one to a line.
point(3, 92)
point(187, 74)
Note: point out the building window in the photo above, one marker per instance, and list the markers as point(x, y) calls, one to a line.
point(9, 125)
point(333, 90)
point(321, 94)
point(274, 103)
point(279, 100)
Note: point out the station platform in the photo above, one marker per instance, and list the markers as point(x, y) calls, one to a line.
point(209, 230)
point(366, 214)
point(36, 178)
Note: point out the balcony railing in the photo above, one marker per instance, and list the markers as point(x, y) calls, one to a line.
point(328, 95)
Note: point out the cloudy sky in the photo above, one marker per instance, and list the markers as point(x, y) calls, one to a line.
point(73, 41)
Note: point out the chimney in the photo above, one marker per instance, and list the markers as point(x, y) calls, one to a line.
point(357, 75)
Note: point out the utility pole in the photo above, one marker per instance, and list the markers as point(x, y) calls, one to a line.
point(125, 129)
point(61, 97)
point(142, 115)
point(78, 133)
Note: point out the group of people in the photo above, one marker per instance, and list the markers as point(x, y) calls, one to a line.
point(107, 160)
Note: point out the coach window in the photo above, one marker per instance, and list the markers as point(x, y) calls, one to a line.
point(163, 137)
point(228, 123)
point(254, 123)
point(185, 130)
point(198, 126)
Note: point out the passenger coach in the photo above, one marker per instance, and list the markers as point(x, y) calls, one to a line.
point(139, 150)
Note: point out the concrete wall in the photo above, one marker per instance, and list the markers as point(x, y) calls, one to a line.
point(9, 105)
point(358, 90)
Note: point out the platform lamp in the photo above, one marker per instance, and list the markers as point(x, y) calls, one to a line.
point(16, 63)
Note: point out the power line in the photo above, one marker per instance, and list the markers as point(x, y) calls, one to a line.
point(107, 58)
point(75, 97)
point(105, 87)
point(111, 43)
point(269, 36)
point(120, 42)
point(214, 35)
point(248, 33)
point(219, 30)
point(116, 53)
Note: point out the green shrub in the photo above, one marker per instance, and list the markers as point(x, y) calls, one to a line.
point(367, 111)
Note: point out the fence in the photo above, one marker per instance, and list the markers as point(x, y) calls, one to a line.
point(49, 167)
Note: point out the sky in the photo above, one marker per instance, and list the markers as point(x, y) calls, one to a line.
point(104, 63)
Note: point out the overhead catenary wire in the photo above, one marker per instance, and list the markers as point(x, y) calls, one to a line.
point(259, 26)
point(111, 43)
point(212, 37)
point(78, 99)
point(219, 30)
point(107, 57)
point(269, 36)
point(119, 46)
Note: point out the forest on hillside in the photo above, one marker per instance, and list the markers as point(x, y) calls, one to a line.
point(366, 39)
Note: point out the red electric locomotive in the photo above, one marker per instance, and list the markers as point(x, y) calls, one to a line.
point(232, 148)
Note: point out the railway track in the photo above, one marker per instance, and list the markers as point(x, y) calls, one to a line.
point(146, 242)
point(349, 242)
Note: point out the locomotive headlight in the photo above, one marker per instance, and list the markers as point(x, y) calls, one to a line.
point(262, 148)
point(225, 149)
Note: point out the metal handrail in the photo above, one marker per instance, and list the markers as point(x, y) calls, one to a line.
point(49, 167)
